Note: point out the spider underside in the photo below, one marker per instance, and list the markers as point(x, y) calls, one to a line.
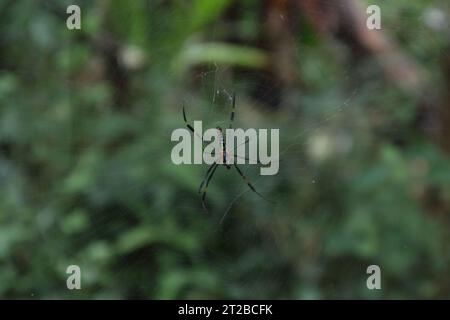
point(224, 160)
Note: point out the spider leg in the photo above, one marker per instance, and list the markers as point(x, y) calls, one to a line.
point(206, 186)
point(249, 184)
point(233, 107)
point(242, 144)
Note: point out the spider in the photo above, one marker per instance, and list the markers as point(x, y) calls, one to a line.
point(222, 159)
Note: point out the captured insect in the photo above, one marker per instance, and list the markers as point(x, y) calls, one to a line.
point(224, 158)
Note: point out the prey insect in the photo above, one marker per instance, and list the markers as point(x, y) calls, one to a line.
point(224, 158)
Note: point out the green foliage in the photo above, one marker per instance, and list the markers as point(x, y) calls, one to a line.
point(86, 177)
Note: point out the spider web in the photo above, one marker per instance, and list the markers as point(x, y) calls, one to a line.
point(231, 202)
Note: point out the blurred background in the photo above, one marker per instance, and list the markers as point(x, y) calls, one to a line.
point(86, 176)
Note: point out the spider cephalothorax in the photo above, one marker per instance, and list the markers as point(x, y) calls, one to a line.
point(224, 158)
